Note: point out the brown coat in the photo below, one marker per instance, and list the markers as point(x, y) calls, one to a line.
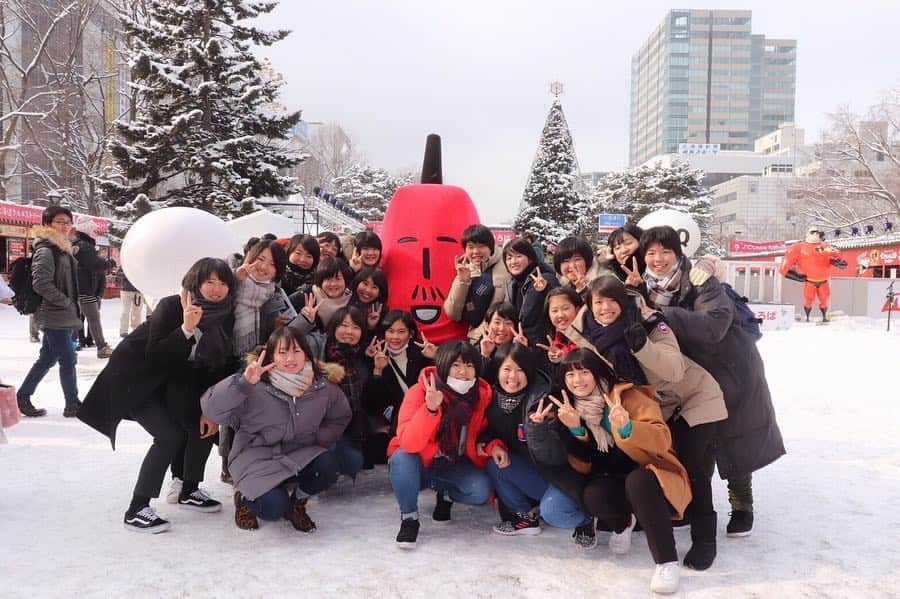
point(677, 380)
point(650, 444)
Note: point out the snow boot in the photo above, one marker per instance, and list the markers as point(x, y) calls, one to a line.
point(243, 517)
point(703, 537)
point(298, 517)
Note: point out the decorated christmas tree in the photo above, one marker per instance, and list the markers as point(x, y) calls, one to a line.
point(553, 198)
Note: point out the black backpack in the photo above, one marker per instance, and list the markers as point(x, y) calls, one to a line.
point(26, 300)
point(746, 318)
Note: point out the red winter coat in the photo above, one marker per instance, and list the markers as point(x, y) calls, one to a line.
point(417, 427)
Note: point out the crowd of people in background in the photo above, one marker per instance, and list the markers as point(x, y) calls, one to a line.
point(597, 389)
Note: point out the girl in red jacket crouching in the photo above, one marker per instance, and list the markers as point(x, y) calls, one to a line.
point(439, 421)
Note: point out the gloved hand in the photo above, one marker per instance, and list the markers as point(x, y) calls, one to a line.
point(793, 275)
point(703, 269)
point(636, 336)
point(838, 262)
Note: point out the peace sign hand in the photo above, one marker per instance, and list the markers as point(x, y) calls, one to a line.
point(519, 336)
point(618, 416)
point(568, 415)
point(542, 413)
point(539, 282)
point(554, 351)
point(433, 397)
point(463, 269)
point(634, 278)
point(255, 369)
point(372, 349)
point(374, 315)
point(243, 270)
point(428, 348)
point(310, 307)
point(192, 314)
point(356, 260)
point(580, 283)
point(380, 358)
point(488, 345)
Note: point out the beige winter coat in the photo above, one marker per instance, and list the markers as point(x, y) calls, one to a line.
point(456, 298)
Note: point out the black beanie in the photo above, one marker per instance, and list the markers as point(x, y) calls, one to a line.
point(611, 287)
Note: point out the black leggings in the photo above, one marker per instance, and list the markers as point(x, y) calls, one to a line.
point(612, 500)
point(692, 444)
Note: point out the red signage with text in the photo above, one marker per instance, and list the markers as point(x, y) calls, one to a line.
point(754, 247)
point(31, 215)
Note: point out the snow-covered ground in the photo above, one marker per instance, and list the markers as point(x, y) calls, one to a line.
point(827, 514)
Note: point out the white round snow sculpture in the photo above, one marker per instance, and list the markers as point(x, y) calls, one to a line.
point(682, 222)
point(162, 245)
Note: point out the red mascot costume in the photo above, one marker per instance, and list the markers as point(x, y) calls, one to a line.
point(422, 228)
point(809, 262)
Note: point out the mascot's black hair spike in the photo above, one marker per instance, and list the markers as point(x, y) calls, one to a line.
point(431, 166)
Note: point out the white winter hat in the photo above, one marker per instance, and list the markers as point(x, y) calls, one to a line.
point(86, 225)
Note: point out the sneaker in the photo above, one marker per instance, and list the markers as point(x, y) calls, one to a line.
point(442, 509)
point(740, 524)
point(243, 517)
point(620, 542)
point(409, 532)
point(27, 408)
point(174, 490)
point(585, 536)
point(146, 520)
point(199, 501)
point(298, 517)
point(104, 352)
point(71, 410)
point(519, 524)
point(665, 578)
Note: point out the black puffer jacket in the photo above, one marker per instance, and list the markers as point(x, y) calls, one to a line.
point(529, 303)
point(91, 267)
point(707, 329)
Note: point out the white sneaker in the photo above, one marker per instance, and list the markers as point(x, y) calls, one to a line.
point(174, 490)
point(620, 542)
point(665, 578)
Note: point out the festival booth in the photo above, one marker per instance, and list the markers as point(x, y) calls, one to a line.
point(860, 289)
point(261, 222)
point(16, 237)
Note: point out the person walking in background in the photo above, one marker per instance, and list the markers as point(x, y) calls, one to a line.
point(91, 273)
point(133, 307)
point(54, 278)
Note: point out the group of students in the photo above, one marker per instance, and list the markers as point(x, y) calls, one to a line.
point(596, 394)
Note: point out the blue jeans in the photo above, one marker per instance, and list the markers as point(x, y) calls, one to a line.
point(56, 346)
point(349, 456)
point(464, 482)
point(519, 482)
point(317, 476)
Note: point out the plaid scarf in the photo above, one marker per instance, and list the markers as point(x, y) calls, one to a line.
point(346, 355)
point(564, 342)
point(662, 290)
point(248, 300)
point(455, 419)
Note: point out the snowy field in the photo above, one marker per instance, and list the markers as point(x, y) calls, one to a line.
point(827, 514)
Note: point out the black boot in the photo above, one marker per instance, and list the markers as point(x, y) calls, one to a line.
point(703, 536)
point(807, 310)
point(27, 408)
point(824, 314)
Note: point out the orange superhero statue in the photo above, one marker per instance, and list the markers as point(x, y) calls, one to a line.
point(809, 263)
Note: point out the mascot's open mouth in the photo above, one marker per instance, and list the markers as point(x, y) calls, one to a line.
point(426, 314)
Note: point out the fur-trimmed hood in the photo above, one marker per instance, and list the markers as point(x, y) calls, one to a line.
point(54, 237)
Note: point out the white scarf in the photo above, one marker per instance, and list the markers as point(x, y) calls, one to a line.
point(294, 385)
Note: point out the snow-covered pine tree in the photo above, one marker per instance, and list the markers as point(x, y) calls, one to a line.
point(554, 195)
point(367, 189)
point(202, 132)
point(639, 191)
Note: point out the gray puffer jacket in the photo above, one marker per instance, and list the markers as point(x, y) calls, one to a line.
point(54, 278)
point(276, 435)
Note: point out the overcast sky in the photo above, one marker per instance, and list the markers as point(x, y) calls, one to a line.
point(478, 73)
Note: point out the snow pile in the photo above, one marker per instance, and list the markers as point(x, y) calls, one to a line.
point(826, 514)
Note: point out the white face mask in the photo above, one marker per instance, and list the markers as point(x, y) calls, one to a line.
point(398, 351)
point(460, 386)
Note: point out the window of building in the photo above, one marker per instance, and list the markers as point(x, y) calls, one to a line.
point(754, 186)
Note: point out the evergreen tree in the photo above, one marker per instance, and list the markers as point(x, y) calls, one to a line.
point(553, 198)
point(367, 190)
point(639, 191)
point(203, 133)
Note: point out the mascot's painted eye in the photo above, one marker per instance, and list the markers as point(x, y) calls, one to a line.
point(421, 237)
